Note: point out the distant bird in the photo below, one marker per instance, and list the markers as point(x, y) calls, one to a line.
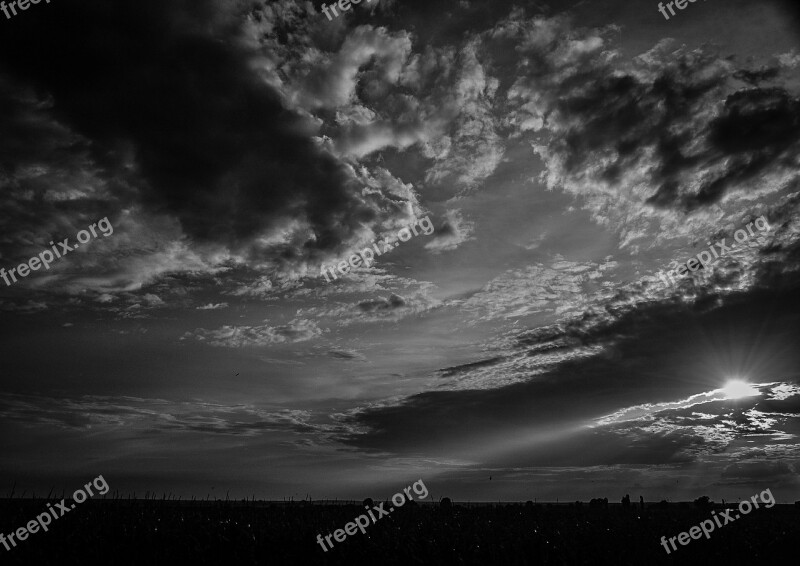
point(237, 374)
point(490, 478)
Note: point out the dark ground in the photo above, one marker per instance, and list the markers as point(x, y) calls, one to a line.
point(168, 533)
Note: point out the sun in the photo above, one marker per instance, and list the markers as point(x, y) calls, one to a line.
point(738, 388)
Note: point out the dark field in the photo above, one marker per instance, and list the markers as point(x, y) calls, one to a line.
point(168, 533)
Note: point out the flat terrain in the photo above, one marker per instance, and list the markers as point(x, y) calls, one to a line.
point(168, 533)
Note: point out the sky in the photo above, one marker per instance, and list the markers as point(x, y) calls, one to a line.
point(214, 156)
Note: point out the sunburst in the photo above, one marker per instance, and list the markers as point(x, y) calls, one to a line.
point(739, 388)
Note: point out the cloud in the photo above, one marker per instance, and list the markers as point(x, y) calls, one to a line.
point(518, 406)
point(416, 300)
point(152, 300)
point(644, 142)
point(340, 354)
point(212, 306)
point(453, 232)
point(235, 162)
point(275, 116)
point(561, 289)
point(93, 412)
point(474, 150)
point(758, 471)
point(386, 94)
point(297, 330)
point(392, 303)
point(24, 306)
point(335, 83)
point(789, 59)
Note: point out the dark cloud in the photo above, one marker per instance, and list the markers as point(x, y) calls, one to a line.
point(170, 85)
point(757, 471)
point(654, 353)
point(670, 120)
point(30, 135)
point(153, 415)
point(763, 120)
point(790, 405)
point(754, 77)
point(756, 130)
point(44, 166)
point(465, 368)
point(394, 302)
point(346, 355)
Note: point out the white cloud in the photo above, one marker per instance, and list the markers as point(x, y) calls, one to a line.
point(212, 306)
point(453, 232)
point(297, 330)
